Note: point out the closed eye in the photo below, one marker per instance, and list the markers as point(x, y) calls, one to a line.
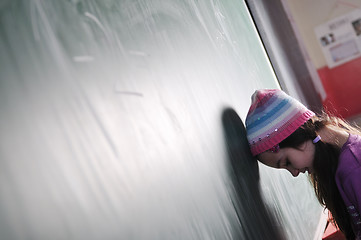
point(287, 162)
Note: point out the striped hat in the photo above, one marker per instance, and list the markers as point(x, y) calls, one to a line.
point(272, 117)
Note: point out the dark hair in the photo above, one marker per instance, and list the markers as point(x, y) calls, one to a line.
point(325, 166)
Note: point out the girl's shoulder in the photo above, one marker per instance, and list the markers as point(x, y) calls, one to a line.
point(353, 144)
point(350, 156)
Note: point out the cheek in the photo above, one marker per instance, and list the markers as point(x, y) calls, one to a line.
point(301, 159)
point(309, 153)
point(310, 156)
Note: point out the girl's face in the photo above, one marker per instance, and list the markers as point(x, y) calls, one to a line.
point(293, 159)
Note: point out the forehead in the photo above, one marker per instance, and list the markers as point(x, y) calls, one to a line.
point(270, 159)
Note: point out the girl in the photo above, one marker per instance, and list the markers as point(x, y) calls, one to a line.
point(283, 133)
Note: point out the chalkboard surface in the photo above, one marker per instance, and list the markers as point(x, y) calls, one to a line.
point(116, 123)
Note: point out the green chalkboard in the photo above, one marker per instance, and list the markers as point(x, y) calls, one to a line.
point(115, 124)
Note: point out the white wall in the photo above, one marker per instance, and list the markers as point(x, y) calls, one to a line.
point(307, 14)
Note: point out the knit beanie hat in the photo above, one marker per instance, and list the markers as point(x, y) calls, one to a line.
point(272, 117)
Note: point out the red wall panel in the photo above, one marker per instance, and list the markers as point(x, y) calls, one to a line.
point(343, 88)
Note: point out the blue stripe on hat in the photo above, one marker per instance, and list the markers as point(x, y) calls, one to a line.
point(260, 110)
point(264, 120)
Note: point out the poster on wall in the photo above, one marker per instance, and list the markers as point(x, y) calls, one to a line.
point(340, 38)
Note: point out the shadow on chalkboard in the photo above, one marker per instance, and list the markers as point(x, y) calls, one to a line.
point(255, 219)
